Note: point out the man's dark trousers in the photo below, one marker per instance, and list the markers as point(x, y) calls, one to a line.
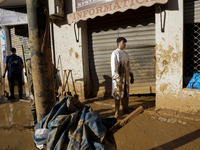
point(11, 79)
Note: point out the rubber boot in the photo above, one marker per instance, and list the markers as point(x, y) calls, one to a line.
point(117, 103)
point(34, 117)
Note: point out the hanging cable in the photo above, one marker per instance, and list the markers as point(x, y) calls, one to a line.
point(162, 20)
point(77, 37)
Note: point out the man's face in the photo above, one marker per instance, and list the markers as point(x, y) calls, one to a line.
point(122, 44)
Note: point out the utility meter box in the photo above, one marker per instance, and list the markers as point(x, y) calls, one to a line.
point(56, 9)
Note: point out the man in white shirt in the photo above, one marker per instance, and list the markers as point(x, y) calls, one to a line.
point(121, 70)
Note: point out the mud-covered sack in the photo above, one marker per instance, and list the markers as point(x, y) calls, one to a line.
point(194, 82)
point(40, 137)
point(74, 126)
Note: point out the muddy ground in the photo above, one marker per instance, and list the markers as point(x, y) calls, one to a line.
point(151, 130)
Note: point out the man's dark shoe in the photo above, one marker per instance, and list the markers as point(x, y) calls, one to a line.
point(11, 97)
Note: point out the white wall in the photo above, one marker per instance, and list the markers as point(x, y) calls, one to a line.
point(71, 54)
point(170, 93)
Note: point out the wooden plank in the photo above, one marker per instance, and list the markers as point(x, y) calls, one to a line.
point(127, 119)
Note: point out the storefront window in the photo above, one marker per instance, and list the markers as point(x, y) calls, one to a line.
point(191, 40)
point(191, 51)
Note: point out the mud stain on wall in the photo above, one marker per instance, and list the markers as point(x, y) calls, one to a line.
point(164, 62)
point(165, 70)
point(164, 53)
point(177, 57)
point(76, 55)
point(71, 51)
point(170, 50)
point(163, 87)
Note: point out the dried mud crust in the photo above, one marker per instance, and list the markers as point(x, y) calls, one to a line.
point(172, 114)
point(148, 103)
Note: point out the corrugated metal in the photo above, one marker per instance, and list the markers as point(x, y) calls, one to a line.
point(192, 11)
point(140, 34)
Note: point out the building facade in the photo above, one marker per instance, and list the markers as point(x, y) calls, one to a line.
point(14, 31)
point(174, 65)
point(155, 33)
point(163, 45)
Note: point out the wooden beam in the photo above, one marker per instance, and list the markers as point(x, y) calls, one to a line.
point(127, 119)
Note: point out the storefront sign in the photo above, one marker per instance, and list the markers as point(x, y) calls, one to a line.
point(110, 8)
point(84, 4)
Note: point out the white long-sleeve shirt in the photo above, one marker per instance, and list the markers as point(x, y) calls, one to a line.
point(120, 68)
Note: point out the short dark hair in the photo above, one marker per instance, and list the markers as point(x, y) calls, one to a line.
point(13, 49)
point(119, 39)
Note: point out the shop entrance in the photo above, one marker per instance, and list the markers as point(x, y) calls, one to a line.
point(138, 27)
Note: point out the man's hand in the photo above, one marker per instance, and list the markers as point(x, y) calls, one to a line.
point(132, 78)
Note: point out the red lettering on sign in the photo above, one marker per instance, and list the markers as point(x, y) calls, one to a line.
point(74, 15)
point(132, 3)
point(150, 0)
point(116, 6)
point(125, 3)
point(85, 12)
point(79, 15)
point(107, 7)
point(139, 1)
point(99, 10)
point(91, 11)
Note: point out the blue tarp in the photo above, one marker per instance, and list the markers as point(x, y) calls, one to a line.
point(74, 126)
point(194, 82)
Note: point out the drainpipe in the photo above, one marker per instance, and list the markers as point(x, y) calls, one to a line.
point(41, 58)
point(52, 42)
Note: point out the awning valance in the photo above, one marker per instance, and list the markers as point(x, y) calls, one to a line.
point(110, 8)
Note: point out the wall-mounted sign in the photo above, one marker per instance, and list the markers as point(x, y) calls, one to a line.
point(109, 8)
point(84, 4)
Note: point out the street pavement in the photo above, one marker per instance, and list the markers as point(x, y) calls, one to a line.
point(150, 130)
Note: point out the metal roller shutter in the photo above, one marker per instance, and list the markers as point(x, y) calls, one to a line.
point(192, 11)
point(138, 27)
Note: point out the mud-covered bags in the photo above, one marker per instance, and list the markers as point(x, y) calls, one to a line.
point(194, 82)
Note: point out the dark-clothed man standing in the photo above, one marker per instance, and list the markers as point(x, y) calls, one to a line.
point(121, 70)
point(14, 66)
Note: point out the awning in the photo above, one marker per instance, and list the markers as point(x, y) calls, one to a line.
point(110, 8)
point(12, 3)
point(8, 17)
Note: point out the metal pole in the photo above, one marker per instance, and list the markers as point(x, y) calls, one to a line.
point(41, 59)
point(52, 43)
